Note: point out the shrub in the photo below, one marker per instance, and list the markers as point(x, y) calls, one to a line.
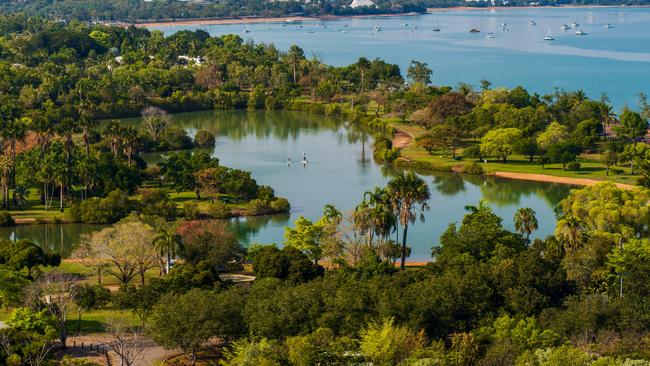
point(156, 202)
point(473, 168)
point(204, 138)
point(616, 170)
point(473, 151)
point(333, 110)
point(219, 210)
point(574, 165)
point(287, 264)
point(6, 219)
point(174, 138)
point(280, 205)
point(191, 210)
point(95, 210)
point(266, 193)
point(257, 207)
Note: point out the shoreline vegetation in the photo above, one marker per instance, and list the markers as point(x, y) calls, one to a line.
point(289, 19)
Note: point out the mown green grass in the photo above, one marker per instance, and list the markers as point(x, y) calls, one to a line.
point(591, 167)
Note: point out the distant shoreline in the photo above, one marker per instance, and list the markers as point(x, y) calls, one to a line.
point(289, 19)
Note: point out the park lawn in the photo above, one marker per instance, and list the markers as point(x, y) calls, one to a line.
point(591, 167)
point(92, 321)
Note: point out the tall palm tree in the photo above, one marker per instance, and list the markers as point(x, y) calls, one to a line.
point(332, 214)
point(5, 170)
point(525, 221)
point(410, 194)
point(607, 116)
point(363, 64)
point(380, 212)
point(14, 131)
point(168, 243)
point(130, 142)
point(114, 133)
point(570, 232)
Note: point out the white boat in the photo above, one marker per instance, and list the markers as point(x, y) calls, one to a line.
point(490, 36)
point(247, 30)
point(378, 28)
point(608, 26)
point(532, 23)
point(436, 29)
point(549, 37)
point(565, 27)
point(575, 25)
point(580, 32)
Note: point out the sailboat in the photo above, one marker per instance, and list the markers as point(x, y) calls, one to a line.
point(532, 23)
point(565, 27)
point(608, 26)
point(549, 37)
point(575, 24)
point(436, 28)
point(490, 35)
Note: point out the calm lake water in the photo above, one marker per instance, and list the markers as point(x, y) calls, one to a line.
point(339, 171)
point(615, 61)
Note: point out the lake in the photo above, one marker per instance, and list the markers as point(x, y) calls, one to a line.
point(613, 61)
point(339, 171)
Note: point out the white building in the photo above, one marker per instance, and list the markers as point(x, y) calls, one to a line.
point(358, 3)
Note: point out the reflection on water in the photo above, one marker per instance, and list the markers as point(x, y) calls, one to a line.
point(340, 170)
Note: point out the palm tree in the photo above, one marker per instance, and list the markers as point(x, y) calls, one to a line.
point(14, 131)
point(408, 191)
point(332, 214)
point(363, 64)
point(114, 133)
point(5, 170)
point(381, 217)
point(168, 243)
point(526, 222)
point(130, 142)
point(607, 116)
point(571, 233)
point(474, 209)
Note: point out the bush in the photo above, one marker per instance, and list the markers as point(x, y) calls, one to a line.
point(473, 151)
point(174, 138)
point(156, 202)
point(6, 219)
point(333, 110)
point(616, 170)
point(257, 207)
point(108, 210)
point(473, 168)
point(191, 210)
point(280, 205)
point(204, 138)
point(287, 264)
point(574, 165)
point(219, 210)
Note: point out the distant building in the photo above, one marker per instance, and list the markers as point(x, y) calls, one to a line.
point(359, 3)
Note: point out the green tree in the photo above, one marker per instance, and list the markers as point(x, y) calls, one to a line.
point(307, 237)
point(500, 143)
point(419, 73)
point(410, 194)
point(525, 221)
point(389, 344)
point(553, 134)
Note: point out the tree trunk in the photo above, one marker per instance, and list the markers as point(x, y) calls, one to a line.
point(61, 197)
point(99, 276)
point(403, 264)
point(142, 278)
point(169, 262)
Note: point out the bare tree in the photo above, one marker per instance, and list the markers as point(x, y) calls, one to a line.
point(126, 247)
point(56, 291)
point(155, 121)
point(39, 350)
point(127, 342)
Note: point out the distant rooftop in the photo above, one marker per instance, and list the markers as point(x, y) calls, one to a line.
point(358, 3)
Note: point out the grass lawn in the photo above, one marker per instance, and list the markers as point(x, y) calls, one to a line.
point(591, 167)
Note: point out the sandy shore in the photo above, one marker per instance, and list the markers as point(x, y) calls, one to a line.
point(193, 22)
point(554, 179)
